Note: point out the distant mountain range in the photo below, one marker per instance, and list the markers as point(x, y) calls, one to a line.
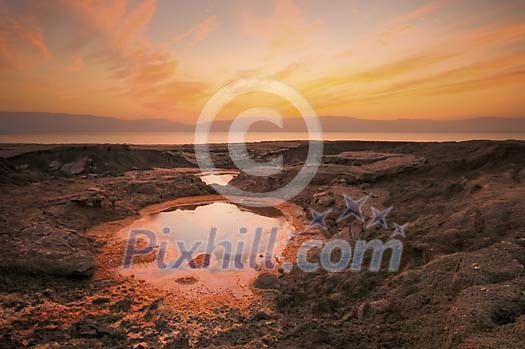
point(35, 122)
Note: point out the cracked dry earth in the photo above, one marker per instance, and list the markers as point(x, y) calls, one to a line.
point(461, 282)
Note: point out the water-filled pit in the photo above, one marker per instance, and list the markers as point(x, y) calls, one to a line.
point(217, 177)
point(229, 245)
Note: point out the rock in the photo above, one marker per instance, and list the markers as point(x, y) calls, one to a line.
point(378, 306)
point(121, 305)
point(179, 342)
point(76, 167)
point(154, 305)
point(81, 263)
point(260, 316)
point(93, 198)
point(54, 165)
point(266, 281)
point(361, 310)
point(48, 249)
point(324, 199)
point(200, 261)
point(86, 328)
point(187, 280)
point(47, 292)
point(101, 300)
point(347, 316)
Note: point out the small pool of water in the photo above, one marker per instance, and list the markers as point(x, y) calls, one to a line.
point(230, 244)
point(220, 178)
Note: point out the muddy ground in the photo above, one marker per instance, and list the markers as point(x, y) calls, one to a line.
point(461, 283)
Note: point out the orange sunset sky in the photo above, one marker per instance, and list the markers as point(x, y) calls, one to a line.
point(368, 59)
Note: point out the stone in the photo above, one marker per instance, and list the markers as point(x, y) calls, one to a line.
point(266, 281)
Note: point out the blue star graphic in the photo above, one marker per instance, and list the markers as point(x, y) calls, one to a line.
point(319, 218)
point(379, 217)
point(353, 208)
point(399, 230)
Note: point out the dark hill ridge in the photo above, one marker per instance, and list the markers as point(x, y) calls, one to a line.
point(37, 122)
point(29, 122)
point(96, 159)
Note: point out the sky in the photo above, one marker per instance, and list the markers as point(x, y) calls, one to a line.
point(376, 59)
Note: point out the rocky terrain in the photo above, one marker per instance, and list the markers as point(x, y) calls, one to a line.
point(461, 283)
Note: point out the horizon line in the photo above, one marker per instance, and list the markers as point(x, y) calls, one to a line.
point(163, 118)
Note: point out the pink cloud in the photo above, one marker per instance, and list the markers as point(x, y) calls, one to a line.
point(17, 37)
point(76, 65)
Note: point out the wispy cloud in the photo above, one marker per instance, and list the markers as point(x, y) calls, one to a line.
point(416, 13)
point(16, 36)
point(199, 32)
point(100, 16)
point(145, 69)
point(134, 23)
point(487, 73)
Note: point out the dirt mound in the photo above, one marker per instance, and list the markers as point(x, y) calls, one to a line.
point(461, 283)
point(42, 226)
point(43, 248)
point(97, 159)
point(6, 167)
point(453, 158)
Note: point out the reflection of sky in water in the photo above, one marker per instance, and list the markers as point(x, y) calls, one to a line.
point(194, 223)
point(189, 224)
point(221, 179)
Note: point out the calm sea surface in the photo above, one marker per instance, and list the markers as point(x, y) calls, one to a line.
point(222, 137)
